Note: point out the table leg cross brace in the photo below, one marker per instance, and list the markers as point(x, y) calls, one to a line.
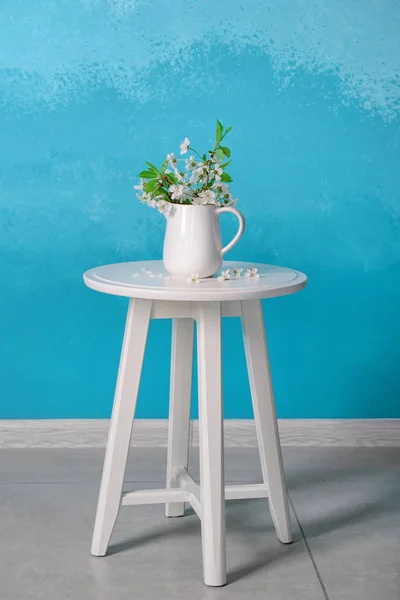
point(189, 491)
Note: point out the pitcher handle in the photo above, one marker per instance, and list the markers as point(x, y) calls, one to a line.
point(240, 230)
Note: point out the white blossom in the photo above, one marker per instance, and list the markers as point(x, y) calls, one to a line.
point(227, 195)
point(177, 191)
point(217, 172)
point(195, 176)
point(207, 197)
point(225, 275)
point(185, 145)
point(163, 207)
point(145, 197)
point(236, 271)
point(171, 159)
point(194, 278)
point(252, 273)
point(178, 175)
point(140, 186)
point(190, 163)
point(221, 188)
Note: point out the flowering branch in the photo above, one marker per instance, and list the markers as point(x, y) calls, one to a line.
point(203, 182)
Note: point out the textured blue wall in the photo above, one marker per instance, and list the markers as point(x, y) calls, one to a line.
point(89, 89)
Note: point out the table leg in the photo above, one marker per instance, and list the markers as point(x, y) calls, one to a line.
point(127, 387)
point(265, 416)
point(211, 443)
point(179, 408)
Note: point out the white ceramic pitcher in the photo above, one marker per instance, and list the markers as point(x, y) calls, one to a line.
point(193, 239)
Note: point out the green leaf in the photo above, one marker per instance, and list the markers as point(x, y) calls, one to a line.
point(204, 157)
point(226, 151)
point(219, 131)
point(150, 185)
point(163, 192)
point(226, 164)
point(226, 178)
point(164, 166)
point(173, 178)
point(152, 167)
point(228, 129)
point(146, 174)
point(219, 153)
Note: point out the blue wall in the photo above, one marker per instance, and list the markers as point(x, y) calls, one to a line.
point(89, 89)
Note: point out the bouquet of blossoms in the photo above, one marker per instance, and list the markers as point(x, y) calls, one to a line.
point(202, 180)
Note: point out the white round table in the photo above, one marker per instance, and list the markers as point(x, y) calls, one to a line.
point(156, 295)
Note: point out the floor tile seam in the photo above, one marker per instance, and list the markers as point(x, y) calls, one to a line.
point(318, 574)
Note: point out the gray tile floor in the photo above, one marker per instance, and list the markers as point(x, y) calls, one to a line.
point(345, 511)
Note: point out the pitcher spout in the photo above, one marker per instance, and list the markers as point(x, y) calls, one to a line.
point(165, 209)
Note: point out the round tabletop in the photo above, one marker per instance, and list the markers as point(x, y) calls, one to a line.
point(150, 280)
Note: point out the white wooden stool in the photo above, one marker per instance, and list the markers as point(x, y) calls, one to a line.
point(154, 295)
